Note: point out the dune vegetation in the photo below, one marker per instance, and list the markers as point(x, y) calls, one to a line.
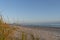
point(5, 30)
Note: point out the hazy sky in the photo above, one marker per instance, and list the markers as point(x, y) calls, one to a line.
point(31, 11)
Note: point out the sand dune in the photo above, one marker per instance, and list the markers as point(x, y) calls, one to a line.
point(35, 34)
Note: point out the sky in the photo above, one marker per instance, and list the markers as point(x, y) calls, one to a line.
point(30, 11)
